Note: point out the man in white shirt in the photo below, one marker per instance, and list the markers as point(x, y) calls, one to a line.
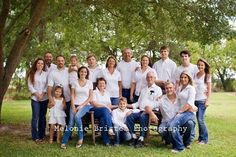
point(48, 58)
point(126, 67)
point(149, 97)
point(165, 68)
point(60, 76)
point(185, 66)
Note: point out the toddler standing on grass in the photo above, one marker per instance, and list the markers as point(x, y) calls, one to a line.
point(57, 114)
point(119, 117)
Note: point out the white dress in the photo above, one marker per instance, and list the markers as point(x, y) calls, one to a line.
point(57, 114)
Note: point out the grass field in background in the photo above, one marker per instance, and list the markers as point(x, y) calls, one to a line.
point(220, 118)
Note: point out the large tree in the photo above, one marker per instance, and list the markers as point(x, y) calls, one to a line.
point(9, 17)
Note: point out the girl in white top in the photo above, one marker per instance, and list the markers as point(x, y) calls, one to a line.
point(202, 81)
point(37, 83)
point(119, 117)
point(94, 70)
point(139, 78)
point(113, 78)
point(73, 69)
point(57, 113)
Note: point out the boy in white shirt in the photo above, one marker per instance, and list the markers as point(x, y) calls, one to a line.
point(118, 118)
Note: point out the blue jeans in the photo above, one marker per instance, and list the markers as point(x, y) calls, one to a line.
point(67, 111)
point(105, 120)
point(203, 132)
point(69, 127)
point(176, 125)
point(163, 131)
point(120, 134)
point(126, 94)
point(114, 101)
point(38, 122)
point(78, 119)
point(135, 98)
point(142, 118)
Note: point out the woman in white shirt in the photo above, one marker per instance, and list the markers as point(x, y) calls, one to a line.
point(139, 78)
point(81, 95)
point(113, 78)
point(37, 83)
point(102, 109)
point(202, 81)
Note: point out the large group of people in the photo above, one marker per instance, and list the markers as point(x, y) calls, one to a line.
point(120, 95)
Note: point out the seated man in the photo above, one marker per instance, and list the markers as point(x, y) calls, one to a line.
point(149, 97)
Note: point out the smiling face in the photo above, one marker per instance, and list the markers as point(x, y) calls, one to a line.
point(111, 62)
point(60, 62)
point(150, 78)
point(40, 65)
point(144, 61)
point(185, 59)
point(184, 79)
point(201, 66)
point(127, 55)
point(101, 85)
point(48, 58)
point(58, 92)
point(73, 61)
point(122, 105)
point(164, 53)
point(91, 61)
point(170, 89)
point(83, 73)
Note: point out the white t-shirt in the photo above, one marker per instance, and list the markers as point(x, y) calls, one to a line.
point(101, 99)
point(165, 69)
point(126, 69)
point(139, 78)
point(201, 87)
point(112, 81)
point(60, 77)
point(168, 109)
point(39, 86)
point(149, 97)
point(82, 93)
point(192, 69)
point(186, 96)
point(93, 74)
point(119, 117)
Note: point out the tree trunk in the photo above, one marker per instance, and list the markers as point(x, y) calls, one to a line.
point(18, 47)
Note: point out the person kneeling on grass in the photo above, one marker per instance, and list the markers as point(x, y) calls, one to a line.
point(149, 97)
point(57, 114)
point(119, 117)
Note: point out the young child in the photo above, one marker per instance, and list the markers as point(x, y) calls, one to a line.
point(73, 69)
point(57, 114)
point(119, 117)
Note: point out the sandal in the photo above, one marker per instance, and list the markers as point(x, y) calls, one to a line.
point(50, 141)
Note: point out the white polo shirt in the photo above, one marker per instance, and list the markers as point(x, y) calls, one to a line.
point(82, 93)
point(112, 81)
point(101, 99)
point(119, 117)
point(201, 87)
point(126, 69)
point(186, 96)
point(149, 97)
point(139, 78)
point(60, 77)
point(168, 108)
point(192, 69)
point(39, 86)
point(165, 69)
point(94, 74)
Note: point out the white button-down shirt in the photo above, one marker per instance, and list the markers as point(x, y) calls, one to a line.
point(119, 117)
point(186, 96)
point(165, 69)
point(149, 97)
point(39, 86)
point(60, 77)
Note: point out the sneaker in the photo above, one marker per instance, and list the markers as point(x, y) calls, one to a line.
point(107, 145)
point(202, 143)
point(116, 145)
point(139, 144)
point(63, 146)
point(188, 146)
point(132, 142)
point(176, 150)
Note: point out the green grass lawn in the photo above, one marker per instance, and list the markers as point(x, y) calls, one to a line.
point(220, 117)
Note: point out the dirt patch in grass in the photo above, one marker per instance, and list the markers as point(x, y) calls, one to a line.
point(15, 129)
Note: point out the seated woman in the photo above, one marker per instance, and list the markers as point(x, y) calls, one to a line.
point(102, 110)
point(81, 95)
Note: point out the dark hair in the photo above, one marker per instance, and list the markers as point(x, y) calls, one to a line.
point(206, 70)
point(91, 55)
point(164, 48)
point(33, 70)
point(47, 52)
point(186, 52)
point(83, 67)
point(59, 87)
point(111, 57)
point(149, 60)
point(60, 56)
point(101, 79)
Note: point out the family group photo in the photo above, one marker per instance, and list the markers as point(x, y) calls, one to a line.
point(117, 78)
